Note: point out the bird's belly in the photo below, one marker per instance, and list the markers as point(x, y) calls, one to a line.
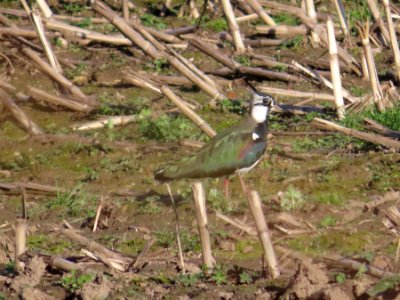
point(247, 169)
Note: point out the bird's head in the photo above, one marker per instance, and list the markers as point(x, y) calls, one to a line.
point(260, 106)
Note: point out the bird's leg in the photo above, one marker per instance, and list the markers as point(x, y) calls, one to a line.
point(226, 187)
point(244, 187)
point(177, 230)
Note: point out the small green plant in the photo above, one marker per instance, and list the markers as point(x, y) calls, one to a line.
point(165, 238)
point(152, 21)
point(2, 297)
point(85, 23)
point(293, 43)
point(150, 206)
point(292, 199)
point(331, 198)
point(10, 267)
point(244, 60)
point(328, 221)
point(159, 65)
point(361, 271)
point(188, 280)
point(217, 25)
point(219, 202)
point(74, 201)
point(384, 285)
point(340, 277)
point(219, 276)
point(73, 8)
point(71, 73)
point(166, 128)
point(245, 278)
point(73, 282)
point(286, 19)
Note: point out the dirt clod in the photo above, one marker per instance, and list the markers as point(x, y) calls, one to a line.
point(310, 278)
point(32, 275)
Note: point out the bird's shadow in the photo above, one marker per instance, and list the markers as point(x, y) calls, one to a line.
point(163, 198)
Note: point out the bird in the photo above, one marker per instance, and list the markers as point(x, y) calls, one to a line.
point(237, 149)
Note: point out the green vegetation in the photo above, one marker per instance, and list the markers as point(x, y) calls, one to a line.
point(150, 205)
point(286, 19)
point(219, 276)
point(40, 242)
point(166, 238)
point(330, 198)
point(340, 277)
point(85, 23)
point(389, 118)
point(328, 221)
point(218, 201)
point(294, 43)
point(73, 202)
point(245, 278)
point(338, 241)
point(152, 21)
point(189, 280)
point(292, 199)
point(166, 128)
point(216, 25)
point(159, 65)
point(74, 281)
point(73, 8)
point(384, 285)
point(244, 60)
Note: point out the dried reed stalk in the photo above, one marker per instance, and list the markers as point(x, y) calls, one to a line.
point(335, 70)
point(19, 115)
point(259, 10)
point(242, 227)
point(295, 94)
point(125, 9)
point(98, 212)
point(373, 76)
point(263, 232)
point(114, 121)
point(147, 35)
point(202, 124)
point(40, 95)
point(346, 94)
point(202, 223)
point(373, 7)
point(130, 33)
point(59, 78)
point(9, 88)
point(150, 50)
point(18, 32)
point(44, 8)
point(169, 38)
point(177, 229)
point(63, 264)
point(38, 25)
point(370, 137)
point(283, 30)
point(247, 18)
point(342, 17)
point(393, 38)
point(233, 26)
point(311, 13)
point(88, 35)
point(298, 12)
point(108, 257)
point(356, 266)
point(20, 237)
point(137, 80)
point(364, 66)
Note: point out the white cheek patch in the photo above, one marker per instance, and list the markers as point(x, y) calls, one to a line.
point(255, 136)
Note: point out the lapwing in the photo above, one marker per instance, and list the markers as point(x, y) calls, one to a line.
point(237, 149)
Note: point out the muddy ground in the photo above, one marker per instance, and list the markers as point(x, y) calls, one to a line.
point(318, 188)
